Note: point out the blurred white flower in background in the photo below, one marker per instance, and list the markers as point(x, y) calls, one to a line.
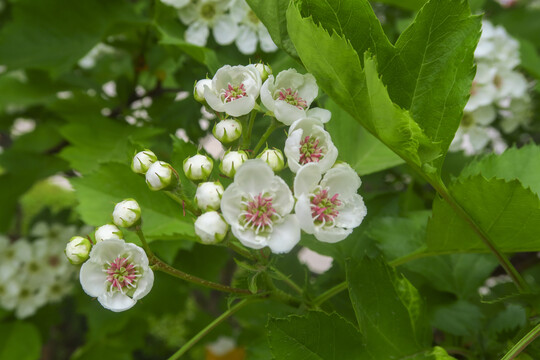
point(251, 30)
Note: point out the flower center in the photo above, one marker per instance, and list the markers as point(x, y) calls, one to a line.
point(292, 98)
point(121, 273)
point(233, 93)
point(310, 150)
point(259, 214)
point(252, 17)
point(324, 208)
point(208, 11)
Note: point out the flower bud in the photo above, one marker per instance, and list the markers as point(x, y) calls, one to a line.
point(78, 249)
point(126, 213)
point(211, 228)
point(227, 130)
point(264, 70)
point(160, 175)
point(274, 158)
point(198, 90)
point(107, 232)
point(208, 195)
point(142, 161)
point(231, 161)
point(198, 167)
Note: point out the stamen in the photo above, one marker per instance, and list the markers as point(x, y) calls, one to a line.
point(259, 214)
point(292, 98)
point(121, 273)
point(310, 150)
point(233, 93)
point(324, 208)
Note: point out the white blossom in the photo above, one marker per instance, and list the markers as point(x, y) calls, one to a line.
point(126, 213)
point(198, 167)
point(227, 130)
point(258, 205)
point(78, 249)
point(160, 175)
point(274, 158)
point(308, 142)
point(117, 273)
point(198, 90)
point(231, 162)
point(210, 227)
point(208, 195)
point(328, 207)
point(289, 95)
point(107, 232)
point(176, 3)
point(142, 161)
point(234, 89)
point(472, 135)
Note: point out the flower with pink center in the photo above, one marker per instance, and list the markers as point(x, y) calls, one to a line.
point(328, 207)
point(258, 205)
point(308, 143)
point(234, 89)
point(289, 96)
point(117, 273)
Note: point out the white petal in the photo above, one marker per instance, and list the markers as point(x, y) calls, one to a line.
point(213, 100)
point(303, 214)
point(332, 235)
point(225, 30)
point(484, 115)
point(188, 14)
point(116, 301)
point(478, 138)
point(342, 180)
point(144, 284)
point(240, 106)
point(307, 179)
point(231, 203)
point(197, 33)
point(249, 238)
point(138, 255)
point(267, 44)
point(285, 235)
point(246, 40)
point(93, 279)
point(287, 113)
point(107, 251)
point(292, 149)
point(352, 213)
point(266, 93)
point(309, 89)
point(254, 176)
point(282, 200)
point(322, 115)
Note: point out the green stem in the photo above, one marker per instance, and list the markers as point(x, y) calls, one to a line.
point(522, 344)
point(157, 264)
point(210, 327)
point(287, 280)
point(183, 201)
point(247, 135)
point(330, 293)
point(240, 250)
point(144, 243)
point(273, 126)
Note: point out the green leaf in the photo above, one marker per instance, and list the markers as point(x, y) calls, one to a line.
point(406, 4)
point(521, 22)
point(316, 336)
point(54, 34)
point(19, 340)
point(423, 76)
point(520, 164)
point(272, 15)
point(99, 191)
point(356, 145)
point(530, 58)
point(505, 211)
point(460, 318)
point(388, 309)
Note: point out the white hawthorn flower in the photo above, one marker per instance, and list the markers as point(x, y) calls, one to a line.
point(497, 47)
point(211, 228)
point(274, 158)
point(234, 89)
point(198, 167)
point(208, 195)
point(510, 84)
point(308, 142)
point(12, 256)
point(264, 70)
point(198, 89)
point(107, 232)
point(201, 15)
point(231, 162)
point(78, 249)
point(328, 208)
point(126, 213)
point(518, 113)
point(472, 135)
point(160, 175)
point(227, 130)
point(142, 161)
point(251, 30)
point(257, 206)
point(289, 95)
point(117, 273)
point(483, 90)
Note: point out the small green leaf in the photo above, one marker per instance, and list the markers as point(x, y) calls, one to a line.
point(460, 318)
point(19, 340)
point(317, 336)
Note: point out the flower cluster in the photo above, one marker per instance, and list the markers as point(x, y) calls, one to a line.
point(117, 273)
point(258, 206)
point(35, 273)
point(498, 91)
point(230, 21)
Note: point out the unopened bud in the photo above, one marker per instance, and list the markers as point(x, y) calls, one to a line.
point(160, 175)
point(232, 160)
point(108, 232)
point(274, 158)
point(208, 195)
point(198, 89)
point(142, 161)
point(211, 228)
point(78, 249)
point(126, 213)
point(227, 130)
point(198, 167)
point(264, 70)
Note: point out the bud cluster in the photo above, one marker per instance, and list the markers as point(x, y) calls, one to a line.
point(159, 174)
